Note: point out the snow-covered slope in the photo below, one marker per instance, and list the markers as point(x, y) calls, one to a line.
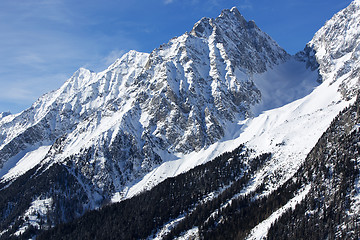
point(4, 114)
point(57, 113)
point(197, 82)
point(289, 132)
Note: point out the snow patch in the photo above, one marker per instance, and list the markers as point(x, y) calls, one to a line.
point(36, 214)
point(190, 234)
point(261, 230)
point(167, 228)
point(23, 162)
point(283, 84)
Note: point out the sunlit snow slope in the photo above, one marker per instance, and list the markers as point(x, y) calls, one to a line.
point(290, 131)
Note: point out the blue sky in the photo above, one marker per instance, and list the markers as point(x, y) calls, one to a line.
point(44, 41)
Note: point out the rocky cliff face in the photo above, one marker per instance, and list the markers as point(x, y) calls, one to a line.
point(335, 49)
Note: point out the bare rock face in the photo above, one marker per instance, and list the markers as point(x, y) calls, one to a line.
point(335, 50)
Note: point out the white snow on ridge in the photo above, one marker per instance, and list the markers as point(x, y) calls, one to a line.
point(261, 230)
point(23, 162)
point(173, 167)
point(190, 234)
point(290, 132)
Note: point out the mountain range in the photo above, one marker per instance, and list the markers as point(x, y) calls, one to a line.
point(217, 134)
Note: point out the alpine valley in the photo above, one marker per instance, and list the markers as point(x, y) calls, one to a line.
point(217, 134)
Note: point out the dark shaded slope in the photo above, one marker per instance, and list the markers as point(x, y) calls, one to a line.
point(328, 211)
point(55, 182)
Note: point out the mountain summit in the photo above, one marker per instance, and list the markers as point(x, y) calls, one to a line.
point(336, 47)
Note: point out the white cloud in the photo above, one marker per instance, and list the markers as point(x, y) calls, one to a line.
point(17, 94)
point(30, 88)
point(31, 59)
point(112, 56)
point(245, 5)
point(168, 1)
point(35, 10)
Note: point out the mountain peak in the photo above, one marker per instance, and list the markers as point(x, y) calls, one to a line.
point(236, 13)
point(131, 56)
point(233, 14)
point(229, 18)
point(82, 71)
point(335, 48)
point(234, 9)
point(115, 126)
point(203, 28)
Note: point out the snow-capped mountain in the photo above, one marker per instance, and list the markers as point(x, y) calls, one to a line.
point(291, 129)
point(197, 82)
point(111, 128)
point(108, 136)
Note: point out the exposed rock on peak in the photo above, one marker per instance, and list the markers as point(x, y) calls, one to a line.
point(203, 28)
point(232, 14)
point(335, 49)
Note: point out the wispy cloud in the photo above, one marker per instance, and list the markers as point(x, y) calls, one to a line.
point(245, 5)
point(38, 10)
point(44, 41)
point(112, 56)
point(31, 59)
point(19, 92)
point(168, 1)
point(22, 92)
